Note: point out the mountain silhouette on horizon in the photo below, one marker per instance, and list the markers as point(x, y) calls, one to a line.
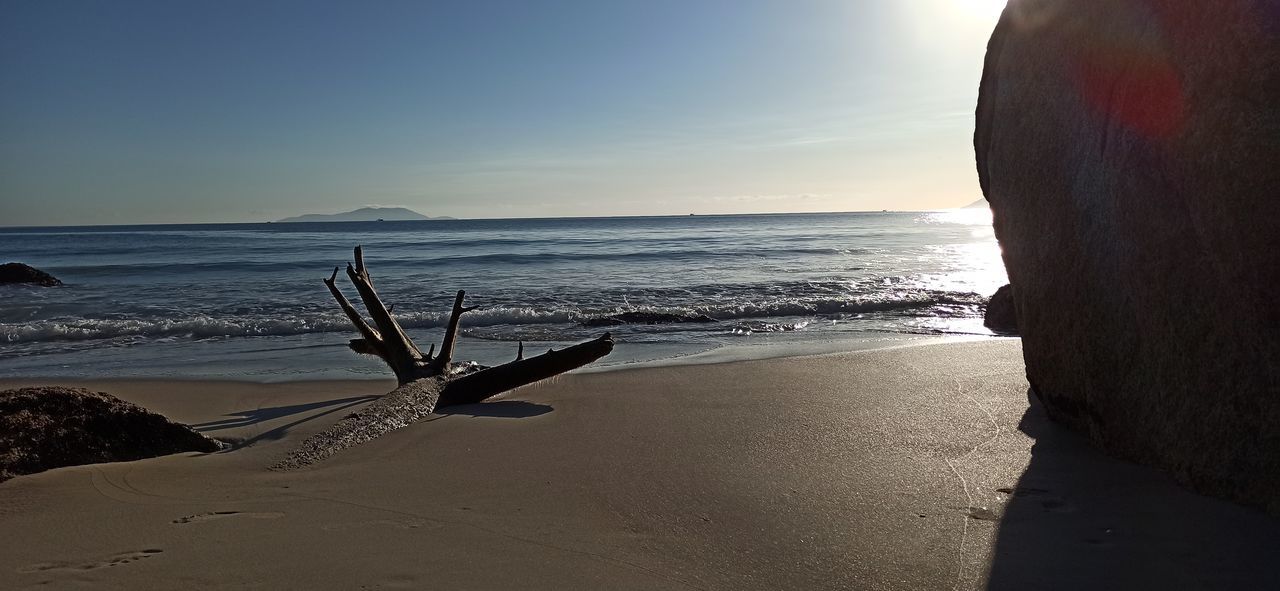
point(364, 214)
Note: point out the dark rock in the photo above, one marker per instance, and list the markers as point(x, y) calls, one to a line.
point(645, 318)
point(1002, 315)
point(49, 427)
point(20, 273)
point(1129, 151)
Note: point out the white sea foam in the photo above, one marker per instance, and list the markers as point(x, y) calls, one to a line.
point(208, 326)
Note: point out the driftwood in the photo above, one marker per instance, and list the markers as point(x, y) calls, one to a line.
point(426, 380)
point(386, 340)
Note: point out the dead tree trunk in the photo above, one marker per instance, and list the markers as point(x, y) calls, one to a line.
point(388, 341)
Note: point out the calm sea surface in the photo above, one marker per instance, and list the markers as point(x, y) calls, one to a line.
point(246, 300)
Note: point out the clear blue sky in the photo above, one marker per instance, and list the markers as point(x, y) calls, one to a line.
point(228, 110)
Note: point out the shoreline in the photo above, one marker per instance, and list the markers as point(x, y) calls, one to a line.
point(742, 353)
point(372, 370)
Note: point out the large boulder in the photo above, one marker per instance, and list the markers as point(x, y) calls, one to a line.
point(20, 273)
point(1130, 150)
point(49, 427)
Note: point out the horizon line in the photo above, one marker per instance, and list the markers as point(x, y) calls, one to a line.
point(447, 219)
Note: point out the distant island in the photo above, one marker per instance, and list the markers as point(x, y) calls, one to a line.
point(977, 204)
point(365, 214)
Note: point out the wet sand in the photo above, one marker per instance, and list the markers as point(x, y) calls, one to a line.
point(914, 468)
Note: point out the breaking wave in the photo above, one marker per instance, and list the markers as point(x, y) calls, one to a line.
point(287, 322)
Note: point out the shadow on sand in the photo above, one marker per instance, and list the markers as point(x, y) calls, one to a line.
point(1078, 519)
point(509, 409)
point(259, 415)
point(245, 418)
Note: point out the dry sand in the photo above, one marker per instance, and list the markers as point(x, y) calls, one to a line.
point(871, 470)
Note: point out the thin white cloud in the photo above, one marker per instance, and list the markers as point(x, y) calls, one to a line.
point(765, 198)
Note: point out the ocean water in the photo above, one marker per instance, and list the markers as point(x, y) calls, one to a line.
point(246, 300)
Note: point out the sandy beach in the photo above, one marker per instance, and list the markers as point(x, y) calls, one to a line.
point(914, 468)
point(640, 296)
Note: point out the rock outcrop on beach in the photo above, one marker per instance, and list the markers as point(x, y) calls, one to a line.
point(1002, 316)
point(26, 274)
point(1129, 151)
point(48, 427)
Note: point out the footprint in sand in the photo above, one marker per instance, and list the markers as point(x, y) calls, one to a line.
point(398, 524)
point(984, 514)
point(1049, 503)
point(1021, 491)
point(210, 516)
point(113, 560)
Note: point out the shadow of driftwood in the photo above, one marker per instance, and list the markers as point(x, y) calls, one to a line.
point(245, 418)
point(506, 409)
point(259, 415)
point(1078, 519)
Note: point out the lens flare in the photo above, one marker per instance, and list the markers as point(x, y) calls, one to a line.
point(982, 7)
